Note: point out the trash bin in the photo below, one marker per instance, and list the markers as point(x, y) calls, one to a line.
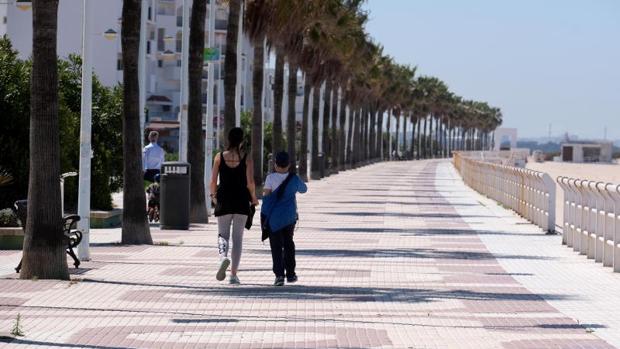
point(321, 165)
point(174, 196)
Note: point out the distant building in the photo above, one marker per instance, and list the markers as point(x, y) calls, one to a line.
point(163, 56)
point(585, 151)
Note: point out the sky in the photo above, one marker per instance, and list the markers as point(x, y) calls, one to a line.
point(543, 62)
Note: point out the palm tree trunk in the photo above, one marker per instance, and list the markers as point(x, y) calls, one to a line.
point(334, 138)
point(196, 142)
point(372, 143)
point(257, 114)
point(44, 243)
point(342, 135)
point(303, 147)
point(278, 93)
point(389, 135)
point(379, 144)
point(350, 157)
point(357, 133)
point(414, 122)
point(291, 121)
point(230, 66)
point(405, 136)
point(325, 131)
point(135, 226)
point(363, 135)
point(314, 163)
point(396, 147)
point(437, 138)
point(417, 156)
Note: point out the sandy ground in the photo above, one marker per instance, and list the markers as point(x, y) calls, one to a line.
point(596, 172)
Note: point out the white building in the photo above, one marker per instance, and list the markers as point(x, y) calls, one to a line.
point(164, 46)
point(587, 151)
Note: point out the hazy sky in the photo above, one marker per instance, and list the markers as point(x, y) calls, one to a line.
point(541, 61)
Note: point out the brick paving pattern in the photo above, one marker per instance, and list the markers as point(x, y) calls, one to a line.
point(389, 256)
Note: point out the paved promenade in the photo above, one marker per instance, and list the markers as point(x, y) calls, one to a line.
point(396, 255)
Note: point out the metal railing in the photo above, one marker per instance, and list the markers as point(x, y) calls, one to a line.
point(531, 194)
point(591, 220)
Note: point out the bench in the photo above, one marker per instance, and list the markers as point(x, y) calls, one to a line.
point(72, 236)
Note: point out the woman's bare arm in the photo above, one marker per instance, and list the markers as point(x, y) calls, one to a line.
point(214, 174)
point(249, 173)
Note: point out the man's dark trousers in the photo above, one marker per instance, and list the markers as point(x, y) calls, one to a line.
point(283, 251)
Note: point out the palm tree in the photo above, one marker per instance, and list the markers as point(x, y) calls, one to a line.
point(258, 15)
point(135, 226)
point(230, 65)
point(196, 148)
point(291, 122)
point(325, 131)
point(303, 147)
point(257, 114)
point(278, 92)
point(44, 243)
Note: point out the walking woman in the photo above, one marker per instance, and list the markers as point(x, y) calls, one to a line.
point(232, 198)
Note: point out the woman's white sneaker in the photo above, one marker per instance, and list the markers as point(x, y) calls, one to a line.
point(221, 273)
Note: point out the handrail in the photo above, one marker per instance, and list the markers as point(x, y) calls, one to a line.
point(531, 194)
point(591, 219)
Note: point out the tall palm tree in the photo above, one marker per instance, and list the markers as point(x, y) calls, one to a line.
point(278, 93)
point(230, 65)
point(325, 129)
point(196, 148)
point(44, 245)
point(314, 161)
point(257, 113)
point(291, 122)
point(303, 147)
point(135, 228)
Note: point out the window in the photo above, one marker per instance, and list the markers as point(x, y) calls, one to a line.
point(4, 19)
point(166, 108)
point(161, 44)
point(119, 64)
point(179, 63)
point(179, 41)
point(160, 63)
point(166, 7)
point(148, 47)
point(180, 16)
point(150, 15)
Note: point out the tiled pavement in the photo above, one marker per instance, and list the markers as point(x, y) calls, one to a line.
point(393, 255)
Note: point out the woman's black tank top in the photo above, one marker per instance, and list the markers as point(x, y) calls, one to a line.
point(232, 194)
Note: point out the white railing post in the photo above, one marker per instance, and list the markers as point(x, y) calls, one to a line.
point(550, 202)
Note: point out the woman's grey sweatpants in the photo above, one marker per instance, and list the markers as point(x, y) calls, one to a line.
point(223, 226)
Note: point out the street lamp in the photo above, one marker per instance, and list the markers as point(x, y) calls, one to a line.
point(86, 152)
point(110, 34)
point(23, 5)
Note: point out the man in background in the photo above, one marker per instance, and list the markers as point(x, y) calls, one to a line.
point(152, 157)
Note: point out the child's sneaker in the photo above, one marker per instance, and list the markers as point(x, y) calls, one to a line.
point(291, 279)
point(234, 280)
point(279, 281)
point(221, 272)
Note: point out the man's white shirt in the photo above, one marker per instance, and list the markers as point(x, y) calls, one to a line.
point(153, 157)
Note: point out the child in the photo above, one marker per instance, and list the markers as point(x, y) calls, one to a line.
point(153, 199)
point(280, 211)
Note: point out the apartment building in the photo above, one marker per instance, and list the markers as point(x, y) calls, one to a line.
point(163, 53)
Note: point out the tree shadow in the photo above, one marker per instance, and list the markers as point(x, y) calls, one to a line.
point(20, 341)
point(409, 215)
point(403, 203)
point(420, 253)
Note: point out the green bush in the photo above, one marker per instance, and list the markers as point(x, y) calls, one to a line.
point(8, 218)
point(107, 163)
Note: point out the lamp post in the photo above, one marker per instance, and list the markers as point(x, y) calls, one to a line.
point(142, 68)
point(184, 85)
point(85, 135)
point(209, 116)
point(86, 152)
point(239, 66)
